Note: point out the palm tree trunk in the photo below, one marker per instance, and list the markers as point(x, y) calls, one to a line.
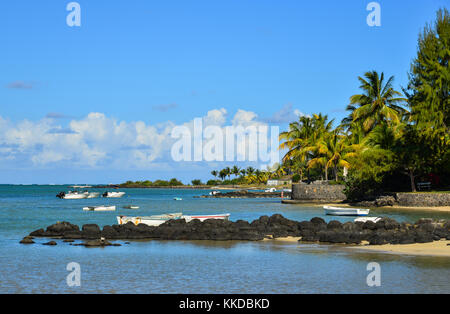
point(326, 173)
point(336, 174)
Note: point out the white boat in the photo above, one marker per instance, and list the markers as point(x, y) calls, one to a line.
point(214, 193)
point(153, 221)
point(271, 190)
point(157, 220)
point(365, 219)
point(72, 195)
point(339, 211)
point(131, 207)
point(204, 217)
point(113, 194)
point(93, 194)
point(100, 208)
point(177, 199)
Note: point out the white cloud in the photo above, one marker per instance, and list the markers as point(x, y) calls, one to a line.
point(98, 141)
point(286, 114)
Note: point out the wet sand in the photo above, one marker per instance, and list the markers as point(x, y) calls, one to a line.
point(436, 248)
point(282, 239)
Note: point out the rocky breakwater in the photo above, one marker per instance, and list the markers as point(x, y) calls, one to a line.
point(276, 226)
point(247, 194)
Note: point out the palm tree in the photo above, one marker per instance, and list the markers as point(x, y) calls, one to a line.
point(378, 103)
point(250, 171)
point(215, 173)
point(227, 172)
point(302, 134)
point(332, 152)
point(222, 174)
point(235, 171)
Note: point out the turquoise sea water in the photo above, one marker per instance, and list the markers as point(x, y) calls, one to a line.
point(196, 266)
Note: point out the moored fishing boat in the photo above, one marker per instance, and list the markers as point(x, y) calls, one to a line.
point(154, 220)
point(204, 217)
point(339, 211)
point(113, 194)
point(131, 207)
point(93, 194)
point(366, 219)
point(177, 199)
point(72, 195)
point(99, 208)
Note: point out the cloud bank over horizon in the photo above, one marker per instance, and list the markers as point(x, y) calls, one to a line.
point(98, 141)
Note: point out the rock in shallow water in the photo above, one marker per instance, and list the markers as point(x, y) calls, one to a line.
point(27, 240)
point(50, 243)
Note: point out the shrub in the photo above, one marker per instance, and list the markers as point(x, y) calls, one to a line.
point(296, 178)
point(174, 182)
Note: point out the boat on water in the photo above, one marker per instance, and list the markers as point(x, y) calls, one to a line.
point(113, 194)
point(93, 194)
point(177, 199)
point(212, 193)
point(157, 220)
point(72, 195)
point(366, 219)
point(271, 190)
point(76, 195)
point(131, 207)
point(99, 208)
point(339, 211)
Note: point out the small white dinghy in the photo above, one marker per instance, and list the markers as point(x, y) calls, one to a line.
point(271, 190)
point(153, 221)
point(157, 220)
point(113, 194)
point(339, 211)
point(100, 208)
point(131, 207)
point(366, 219)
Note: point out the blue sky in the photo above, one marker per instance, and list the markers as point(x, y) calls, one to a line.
point(168, 62)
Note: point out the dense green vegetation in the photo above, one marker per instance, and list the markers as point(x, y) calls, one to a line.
point(248, 175)
point(157, 183)
point(390, 137)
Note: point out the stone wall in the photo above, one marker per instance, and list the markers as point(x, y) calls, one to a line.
point(423, 199)
point(318, 192)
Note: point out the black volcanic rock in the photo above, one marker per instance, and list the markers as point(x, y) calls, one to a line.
point(384, 231)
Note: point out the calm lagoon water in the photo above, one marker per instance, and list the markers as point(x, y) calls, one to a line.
point(196, 266)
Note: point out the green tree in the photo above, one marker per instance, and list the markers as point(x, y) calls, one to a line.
point(378, 103)
point(223, 174)
point(235, 171)
point(428, 89)
point(332, 152)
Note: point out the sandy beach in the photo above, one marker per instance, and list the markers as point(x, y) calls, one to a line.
point(436, 248)
point(283, 239)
